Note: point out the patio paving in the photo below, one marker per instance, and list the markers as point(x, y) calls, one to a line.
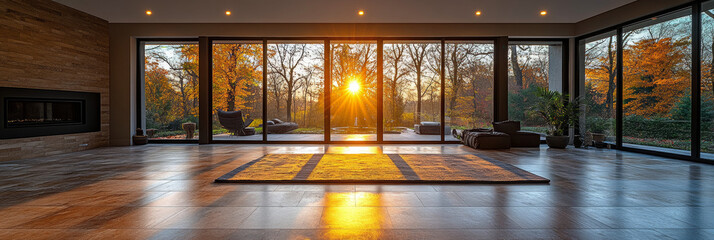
point(406, 136)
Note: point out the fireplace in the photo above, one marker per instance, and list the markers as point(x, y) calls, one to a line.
point(34, 112)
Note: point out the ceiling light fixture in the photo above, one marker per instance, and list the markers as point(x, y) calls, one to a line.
point(360, 12)
point(148, 12)
point(543, 13)
point(478, 13)
point(228, 13)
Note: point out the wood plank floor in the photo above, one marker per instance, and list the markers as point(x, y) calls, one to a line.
point(167, 192)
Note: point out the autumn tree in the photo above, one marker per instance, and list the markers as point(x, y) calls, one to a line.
point(466, 91)
point(394, 80)
point(183, 74)
point(655, 76)
point(160, 96)
point(418, 64)
point(284, 66)
point(237, 77)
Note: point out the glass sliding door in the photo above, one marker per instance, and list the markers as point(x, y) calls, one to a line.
point(237, 91)
point(707, 82)
point(295, 89)
point(657, 83)
point(412, 91)
point(170, 77)
point(353, 108)
point(468, 85)
point(532, 65)
point(598, 74)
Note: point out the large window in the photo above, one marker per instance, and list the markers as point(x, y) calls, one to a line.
point(468, 85)
point(281, 90)
point(532, 65)
point(295, 91)
point(170, 77)
point(657, 83)
point(642, 92)
point(237, 91)
point(599, 81)
point(353, 107)
point(412, 91)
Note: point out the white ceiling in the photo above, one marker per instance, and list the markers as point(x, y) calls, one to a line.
point(344, 11)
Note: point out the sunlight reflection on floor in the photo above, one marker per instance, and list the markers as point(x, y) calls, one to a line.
point(355, 137)
point(350, 222)
point(354, 150)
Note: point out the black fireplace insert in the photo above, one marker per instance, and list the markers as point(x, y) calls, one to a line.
point(35, 112)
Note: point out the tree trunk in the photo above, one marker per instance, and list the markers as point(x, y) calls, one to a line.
point(419, 94)
point(517, 72)
point(288, 107)
point(231, 99)
point(304, 114)
point(611, 79)
point(475, 101)
point(454, 78)
point(711, 67)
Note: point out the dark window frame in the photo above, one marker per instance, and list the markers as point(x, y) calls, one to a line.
point(696, 10)
point(328, 82)
point(139, 90)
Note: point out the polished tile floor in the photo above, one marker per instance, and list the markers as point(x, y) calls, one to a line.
point(167, 192)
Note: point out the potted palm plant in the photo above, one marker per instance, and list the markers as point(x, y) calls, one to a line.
point(558, 113)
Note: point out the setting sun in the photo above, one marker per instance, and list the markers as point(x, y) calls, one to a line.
point(353, 87)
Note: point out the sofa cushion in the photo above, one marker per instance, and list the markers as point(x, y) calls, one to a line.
point(487, 140)
point(525, 139)
point(461, 134)
point(508, 127)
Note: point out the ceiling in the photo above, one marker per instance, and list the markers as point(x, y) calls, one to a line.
point(344, 11)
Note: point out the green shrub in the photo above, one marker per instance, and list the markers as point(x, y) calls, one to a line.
point(640, 127)
point(601, 125)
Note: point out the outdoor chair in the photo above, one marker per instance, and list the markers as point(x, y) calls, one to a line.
point(233, 121)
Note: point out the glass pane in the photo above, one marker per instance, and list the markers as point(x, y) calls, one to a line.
point(657, 83)
point(296, 91)
point(171, 90)
point(598, 65)
point(707, 85)
point(468, 85)
point(412, 89)
point(237, 91)
point(532, 66)
point(354, 91)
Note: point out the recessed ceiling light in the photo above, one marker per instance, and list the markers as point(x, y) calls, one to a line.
point(543, 13)
point(478, 13)
point(228, 13)
point(360, 12)
point(148, 12)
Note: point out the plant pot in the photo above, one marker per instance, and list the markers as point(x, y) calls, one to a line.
point(598, 137)
point(190, 128)
point(557, 141)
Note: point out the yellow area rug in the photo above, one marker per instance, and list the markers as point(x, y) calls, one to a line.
point(378, 168)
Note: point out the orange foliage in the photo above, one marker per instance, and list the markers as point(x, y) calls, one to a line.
point(237, 77)
point(655, 76)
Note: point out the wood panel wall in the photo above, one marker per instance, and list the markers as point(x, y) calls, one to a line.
point(46, 45)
